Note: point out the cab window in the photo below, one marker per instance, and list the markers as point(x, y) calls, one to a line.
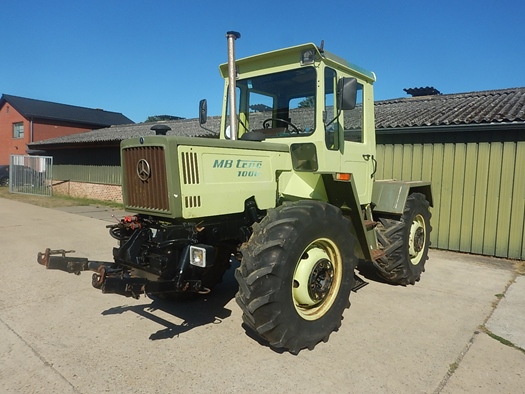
point(350, 122)
point(280, 104)
point(353, 119)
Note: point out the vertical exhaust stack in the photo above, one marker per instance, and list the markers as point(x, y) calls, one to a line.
point(232, 76)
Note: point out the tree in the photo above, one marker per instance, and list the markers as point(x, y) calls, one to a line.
point(307, 102)
point(158, 118)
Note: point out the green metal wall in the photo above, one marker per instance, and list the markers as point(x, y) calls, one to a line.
point(109, 175)
point(478, 190)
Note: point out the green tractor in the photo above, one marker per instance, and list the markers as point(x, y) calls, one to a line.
point(288, 190)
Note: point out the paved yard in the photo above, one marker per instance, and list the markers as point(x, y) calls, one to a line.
point(59, 335)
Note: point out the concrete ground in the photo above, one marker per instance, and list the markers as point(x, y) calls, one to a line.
point(459, 330)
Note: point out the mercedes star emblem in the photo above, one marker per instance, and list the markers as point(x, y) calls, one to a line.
point(143, 169)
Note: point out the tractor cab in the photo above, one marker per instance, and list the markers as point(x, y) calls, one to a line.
point(315, 102)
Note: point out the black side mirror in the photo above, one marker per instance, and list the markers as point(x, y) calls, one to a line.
point(203, 111)
point(346, 93)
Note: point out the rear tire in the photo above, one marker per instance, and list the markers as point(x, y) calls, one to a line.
point(405, 242)
point(296, 274)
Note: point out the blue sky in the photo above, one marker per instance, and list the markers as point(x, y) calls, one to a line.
point(145, 58)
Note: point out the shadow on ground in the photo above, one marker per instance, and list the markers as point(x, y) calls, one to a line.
point(194, 312)
point(206, 309)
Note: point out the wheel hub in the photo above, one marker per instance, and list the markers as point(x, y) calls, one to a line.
point(320, 280)
point(417, 239)
point(313, 278)
point(317, 279)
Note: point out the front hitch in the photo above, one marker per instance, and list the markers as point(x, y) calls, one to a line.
point(65, 263)
point(112, 278)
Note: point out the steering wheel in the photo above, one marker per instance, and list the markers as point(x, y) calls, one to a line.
point(266, 124)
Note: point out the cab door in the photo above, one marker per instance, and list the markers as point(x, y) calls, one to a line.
point(352, 135)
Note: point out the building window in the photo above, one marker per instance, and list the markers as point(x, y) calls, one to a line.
point(18, 130)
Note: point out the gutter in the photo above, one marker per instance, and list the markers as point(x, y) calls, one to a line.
point(511, 126)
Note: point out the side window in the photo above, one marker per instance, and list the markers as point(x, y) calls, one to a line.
point(353, 119)
point(330, 119)
point(18, 130)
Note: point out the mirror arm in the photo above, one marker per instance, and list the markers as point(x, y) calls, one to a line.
point(334, 119)
point(205, 128)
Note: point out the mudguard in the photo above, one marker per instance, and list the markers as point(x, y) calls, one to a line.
point(390, 196)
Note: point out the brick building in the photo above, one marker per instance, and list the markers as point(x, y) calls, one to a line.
point(24, 121)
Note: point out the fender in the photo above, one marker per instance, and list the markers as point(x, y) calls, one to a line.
point(390, 196)
point(343, 194)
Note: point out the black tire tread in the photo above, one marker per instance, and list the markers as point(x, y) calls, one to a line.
point(260, 275)
point(395, 266)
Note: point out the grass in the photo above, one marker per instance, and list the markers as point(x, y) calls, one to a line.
point(55, 201)
point(501, 340)
point(520, 267)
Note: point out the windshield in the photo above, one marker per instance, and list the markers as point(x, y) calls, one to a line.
point(278, 105)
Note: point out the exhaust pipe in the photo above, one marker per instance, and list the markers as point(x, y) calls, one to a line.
point(232, 76)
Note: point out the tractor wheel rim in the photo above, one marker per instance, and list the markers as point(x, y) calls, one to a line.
point(417, 240)
point(317, 279)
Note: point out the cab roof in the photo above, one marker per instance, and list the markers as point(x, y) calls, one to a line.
point(268, 58)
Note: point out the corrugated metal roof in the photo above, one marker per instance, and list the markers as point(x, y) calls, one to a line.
point(39, 109)
point(490, 106)
point(183, 127)
point(485, 107)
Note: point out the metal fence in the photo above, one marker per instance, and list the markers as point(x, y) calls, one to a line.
point(31, 175)
point(108, 175)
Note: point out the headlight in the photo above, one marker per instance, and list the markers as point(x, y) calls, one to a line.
point(197, 256)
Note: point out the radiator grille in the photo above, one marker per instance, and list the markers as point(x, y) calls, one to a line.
point(150, 192)
point(190, 168)
point(192, 201)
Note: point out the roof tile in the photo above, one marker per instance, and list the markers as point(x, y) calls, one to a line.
point(39, 109)
point(490, 106)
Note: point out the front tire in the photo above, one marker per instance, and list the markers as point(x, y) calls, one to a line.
point(296, 274)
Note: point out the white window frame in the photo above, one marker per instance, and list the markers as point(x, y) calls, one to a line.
point(18, 130)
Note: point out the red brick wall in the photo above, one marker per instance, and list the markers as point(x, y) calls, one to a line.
point(42, 130)
point(89, 190)
point(9, 145)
